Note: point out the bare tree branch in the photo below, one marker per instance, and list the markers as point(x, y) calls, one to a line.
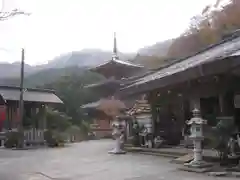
point(6, 15)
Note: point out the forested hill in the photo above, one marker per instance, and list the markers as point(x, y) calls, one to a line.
point(212, 25)
point(51, 75)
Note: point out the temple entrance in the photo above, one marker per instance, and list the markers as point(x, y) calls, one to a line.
point(166, 125)
point(210, 109)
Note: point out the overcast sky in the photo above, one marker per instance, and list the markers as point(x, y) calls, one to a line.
point(60, 26)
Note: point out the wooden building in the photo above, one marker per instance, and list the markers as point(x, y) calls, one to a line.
point(103, 113)
point(35, 101)
point(141, 112)
point(208, 80)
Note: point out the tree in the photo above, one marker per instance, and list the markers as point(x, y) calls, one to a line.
point(209, 27)
point(71, 91)
point(57, 120)
point(151, 62)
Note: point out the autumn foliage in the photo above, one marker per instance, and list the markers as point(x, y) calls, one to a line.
point(208, 28)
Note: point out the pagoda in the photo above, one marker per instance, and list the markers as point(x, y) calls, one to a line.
point(117, 69)
point(118, 73)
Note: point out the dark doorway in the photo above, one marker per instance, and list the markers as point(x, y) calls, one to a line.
point(210, 109)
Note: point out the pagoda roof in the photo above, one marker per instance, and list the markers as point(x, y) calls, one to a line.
point(109, 83)
point(92, 105)
point(105, 88)
point(117, 68)
point(105, 104)
point(140, 107)
point(110, 86)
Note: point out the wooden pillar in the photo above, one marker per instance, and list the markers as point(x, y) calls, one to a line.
point(152, 98)
point(221, 104)
point(43, 117)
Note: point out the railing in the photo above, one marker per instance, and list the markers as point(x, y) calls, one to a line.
point(34, 136)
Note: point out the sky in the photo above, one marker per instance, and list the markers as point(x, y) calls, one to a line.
point(56, 27)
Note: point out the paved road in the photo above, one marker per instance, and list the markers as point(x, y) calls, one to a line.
point(87, 161)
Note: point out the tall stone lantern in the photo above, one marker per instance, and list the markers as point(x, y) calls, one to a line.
point(118, 134)
point(196, 124)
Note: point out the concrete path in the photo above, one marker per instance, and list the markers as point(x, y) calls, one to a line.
point(87, 161)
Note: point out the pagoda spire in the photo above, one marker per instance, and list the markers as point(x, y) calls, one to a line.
point(115, 55)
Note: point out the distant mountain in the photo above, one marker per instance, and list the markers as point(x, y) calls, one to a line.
point(154, 56)
point(159, 49)
point(46, 76)
point(10, 70)
point(84, 58)
point(50, 75)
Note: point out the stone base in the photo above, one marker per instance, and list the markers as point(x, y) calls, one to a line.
point(114, 151)
point(183, 159)
point(199, 167)
point(197, 164)
point(194, 169)
point(218, 174)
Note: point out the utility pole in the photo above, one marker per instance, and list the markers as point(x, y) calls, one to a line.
point(21, 102)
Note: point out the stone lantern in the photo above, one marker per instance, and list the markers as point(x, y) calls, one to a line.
point(118, 134)
point(197, 136)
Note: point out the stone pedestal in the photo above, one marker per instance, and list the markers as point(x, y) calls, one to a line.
point(118, 134)
point(197, 161)
point(117, 149)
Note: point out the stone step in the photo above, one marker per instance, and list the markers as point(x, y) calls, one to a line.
point(159, 154)
point(154, 151)
point(174, 152)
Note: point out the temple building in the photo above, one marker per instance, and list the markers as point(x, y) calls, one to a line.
point(102, 113)
point(34, 118)
point(207, 80)
point(118, 73)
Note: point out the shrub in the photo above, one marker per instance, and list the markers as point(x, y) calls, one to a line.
point(12, 139)
point(54, 138)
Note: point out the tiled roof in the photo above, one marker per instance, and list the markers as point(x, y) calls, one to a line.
point(115, 61)
point(216, 52)
point(104, 83)
point(31, 95)
point(117, 68)
point(91, 105)
point(140, 107)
